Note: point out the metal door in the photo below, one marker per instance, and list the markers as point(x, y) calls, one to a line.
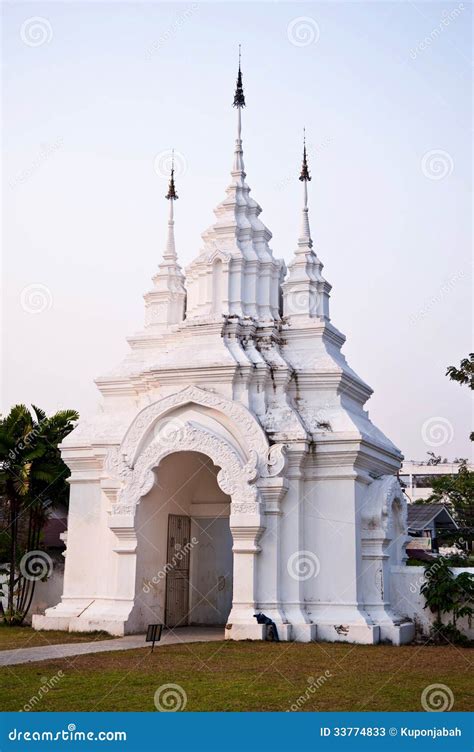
point(177, 571)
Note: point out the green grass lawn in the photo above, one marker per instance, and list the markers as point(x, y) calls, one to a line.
point(246, 676)
point(12, 638)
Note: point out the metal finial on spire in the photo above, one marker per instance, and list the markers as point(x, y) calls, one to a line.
point(304, 167)
point(171, 187)
point(239, 98)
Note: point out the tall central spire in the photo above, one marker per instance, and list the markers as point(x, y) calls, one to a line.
point(171, 187)
point(172, 196)
point(239, 97)
point(235, 274)
point(239, 102)
point(305, 177)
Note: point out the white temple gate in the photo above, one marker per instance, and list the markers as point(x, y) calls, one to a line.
point(236, 413)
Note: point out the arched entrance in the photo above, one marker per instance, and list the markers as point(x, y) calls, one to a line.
point(142, 486)
point(184, 543)
point(196, 422)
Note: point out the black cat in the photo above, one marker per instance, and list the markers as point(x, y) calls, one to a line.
point(272, 632)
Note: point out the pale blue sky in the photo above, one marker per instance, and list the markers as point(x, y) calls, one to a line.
point(379, 86)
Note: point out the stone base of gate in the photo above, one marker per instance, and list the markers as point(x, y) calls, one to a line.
point(286, 632)
point(397, 634)
point(304, 632)
point(363, 634)
point(89, 615)
point(45, 623)
point(251, 631)
point(366, 634)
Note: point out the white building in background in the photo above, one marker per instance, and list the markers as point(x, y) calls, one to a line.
point(416, 477)
point(232, 468)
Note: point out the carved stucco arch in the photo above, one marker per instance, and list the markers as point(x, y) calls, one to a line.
point(241, 463)
point(253, 438)
point(234, 478)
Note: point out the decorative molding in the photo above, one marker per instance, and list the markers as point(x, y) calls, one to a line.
point(246, 423)
point(245, 507)
point(376, 513)
point(235, 479)
point(276, 461)
point(272, 492)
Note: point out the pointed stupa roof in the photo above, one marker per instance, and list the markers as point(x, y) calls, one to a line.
point(239, 96)
point(239, 240)
point(304, 175)
point(305, 241)
point(305, 291)
point(165, 302)
point(171, 187)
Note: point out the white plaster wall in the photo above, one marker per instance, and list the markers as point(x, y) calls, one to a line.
point(291, 542)
point(87, 531)
point(329, 531)
point(408, 601)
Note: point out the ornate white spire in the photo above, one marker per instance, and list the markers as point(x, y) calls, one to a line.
point(235, 274)
point(239, 102)
point(164, 305)
point(305, 177)
point(170, 249)
point(305, 292)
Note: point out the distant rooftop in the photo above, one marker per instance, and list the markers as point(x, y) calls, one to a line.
point(414, 467)
point(420, 516)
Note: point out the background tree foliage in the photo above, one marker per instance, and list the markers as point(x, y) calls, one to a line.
point(32, 481)
point(457, 492)
point(463, 375)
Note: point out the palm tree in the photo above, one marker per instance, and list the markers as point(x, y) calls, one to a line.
point(32, 478)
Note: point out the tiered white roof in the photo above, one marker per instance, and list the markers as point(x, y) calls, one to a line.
point(235, 274)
